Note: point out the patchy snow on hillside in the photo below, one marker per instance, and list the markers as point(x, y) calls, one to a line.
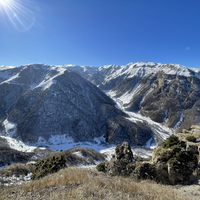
point(64, 142)
point(11, 79)
point(10, 127)
point(163, 131)
point(14, 180)
point(4, 74)
point(180, 120)
point(46, 84)
point(18, 145)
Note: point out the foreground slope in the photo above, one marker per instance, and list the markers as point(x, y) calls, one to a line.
point(76, 183)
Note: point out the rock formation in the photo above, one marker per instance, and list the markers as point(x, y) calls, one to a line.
point(175, 162)
point(122, 162)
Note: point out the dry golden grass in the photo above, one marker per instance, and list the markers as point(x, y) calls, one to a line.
point(76, 183)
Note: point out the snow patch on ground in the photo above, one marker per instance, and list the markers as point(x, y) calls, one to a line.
point(6, 165)
point(166, 116)
point(46, 84)
point(99, 140)
point(11, 79)
point(150, 144)
point(4, 74)
point(87, 166)
point(79, 154)
point(108, 152)
point(180, 121)
point(163, 131)
point(60, 139)
point(14, 180)
point(10, 127)
point(148, 92)
point(64, 142)
point(18, 145)
point(4, 67)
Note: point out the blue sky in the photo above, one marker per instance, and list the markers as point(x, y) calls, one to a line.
point(99, 32)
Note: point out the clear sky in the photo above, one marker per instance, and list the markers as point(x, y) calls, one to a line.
point(99, 32)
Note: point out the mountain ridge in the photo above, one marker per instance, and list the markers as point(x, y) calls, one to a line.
point(136, 90)
point(49, 102)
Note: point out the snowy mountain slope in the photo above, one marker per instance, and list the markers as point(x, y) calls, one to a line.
point(167, 93)
point(12, 143)
point(54, 105)
point(49, 103)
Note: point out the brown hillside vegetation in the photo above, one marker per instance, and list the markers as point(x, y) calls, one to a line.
point(77, 183)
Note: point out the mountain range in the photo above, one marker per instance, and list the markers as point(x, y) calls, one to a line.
point(139, 102)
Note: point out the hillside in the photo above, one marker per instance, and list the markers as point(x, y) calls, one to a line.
point(52, 105)
point(167, 93)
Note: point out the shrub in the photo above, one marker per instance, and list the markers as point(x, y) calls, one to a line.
point(176, 148)
point(166, 155)
point(172, 161)
point(191, 138)
point(101, 167)
point(176, 155)
point(189, 128)
point(170, 141)
point(48, 165)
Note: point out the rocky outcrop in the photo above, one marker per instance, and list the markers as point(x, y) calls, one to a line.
point(181, 158)
point(122, 162)
point(176, 162)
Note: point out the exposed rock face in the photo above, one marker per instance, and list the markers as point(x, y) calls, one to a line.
point(53, 104)
point(193, 130)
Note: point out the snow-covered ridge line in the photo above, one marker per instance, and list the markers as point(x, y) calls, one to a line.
point(11, 74)
point(130, 67)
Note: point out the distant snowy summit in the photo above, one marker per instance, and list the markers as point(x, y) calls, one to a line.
point(138, 102)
